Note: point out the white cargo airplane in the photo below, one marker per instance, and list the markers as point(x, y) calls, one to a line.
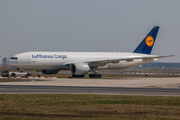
point(80, 63)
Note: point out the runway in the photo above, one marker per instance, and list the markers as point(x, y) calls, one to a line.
point(32, 89)
point(121, 86)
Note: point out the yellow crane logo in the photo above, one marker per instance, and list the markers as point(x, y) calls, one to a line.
point(149, 41)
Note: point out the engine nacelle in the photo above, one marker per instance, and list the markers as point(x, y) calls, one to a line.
point(49, 71)
point(80, 68)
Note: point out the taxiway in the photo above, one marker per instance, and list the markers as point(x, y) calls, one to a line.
point(32, 89)
point(122, 86)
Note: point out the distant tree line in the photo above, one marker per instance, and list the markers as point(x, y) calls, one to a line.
point(161, 65)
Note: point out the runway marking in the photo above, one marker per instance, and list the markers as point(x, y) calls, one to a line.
point(81, 84)
point(107, 82)
point(170, 85)
point(165, 87)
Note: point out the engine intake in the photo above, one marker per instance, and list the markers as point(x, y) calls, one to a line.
point(80, 68)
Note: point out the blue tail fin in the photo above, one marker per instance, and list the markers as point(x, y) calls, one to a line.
point(145, 47)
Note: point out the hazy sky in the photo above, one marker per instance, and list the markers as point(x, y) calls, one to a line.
point(88, 25)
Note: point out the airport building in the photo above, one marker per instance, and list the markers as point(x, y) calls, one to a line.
point(3, 61)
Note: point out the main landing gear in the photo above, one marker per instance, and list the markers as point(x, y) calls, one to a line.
point(95, 75)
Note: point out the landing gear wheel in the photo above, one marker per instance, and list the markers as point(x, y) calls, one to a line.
point(28, 74)
point(13, 75)
point(99, 75)
point(95, 75)
point(91, 75)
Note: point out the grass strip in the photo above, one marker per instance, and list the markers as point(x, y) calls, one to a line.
point(67, 106)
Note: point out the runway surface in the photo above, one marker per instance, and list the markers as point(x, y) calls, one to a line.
point(29, 89)
point(121, 86)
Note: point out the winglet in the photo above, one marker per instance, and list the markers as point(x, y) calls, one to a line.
point(145, 47)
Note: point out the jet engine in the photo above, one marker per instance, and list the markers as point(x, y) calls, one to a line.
point(50, 71)
point(80, 68)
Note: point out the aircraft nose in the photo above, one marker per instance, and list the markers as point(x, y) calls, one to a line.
point(11, 62)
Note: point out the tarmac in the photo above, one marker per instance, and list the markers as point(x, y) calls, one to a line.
point(121, 82)
point(121, 86)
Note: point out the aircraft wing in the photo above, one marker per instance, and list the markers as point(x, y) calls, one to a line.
point(129, 59)
point(104, 62)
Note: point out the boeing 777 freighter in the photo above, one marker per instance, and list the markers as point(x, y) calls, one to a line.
point(81, 63)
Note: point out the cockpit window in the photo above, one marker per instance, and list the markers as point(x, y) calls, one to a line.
point(14, 58)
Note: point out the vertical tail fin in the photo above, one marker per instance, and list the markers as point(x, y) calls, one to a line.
point(145, 47)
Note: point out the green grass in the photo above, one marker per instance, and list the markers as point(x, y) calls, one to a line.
point(66, 106)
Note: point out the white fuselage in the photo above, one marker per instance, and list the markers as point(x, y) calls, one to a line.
point(60, 60)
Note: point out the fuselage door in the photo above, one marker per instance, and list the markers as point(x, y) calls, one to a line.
point(28, 59)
